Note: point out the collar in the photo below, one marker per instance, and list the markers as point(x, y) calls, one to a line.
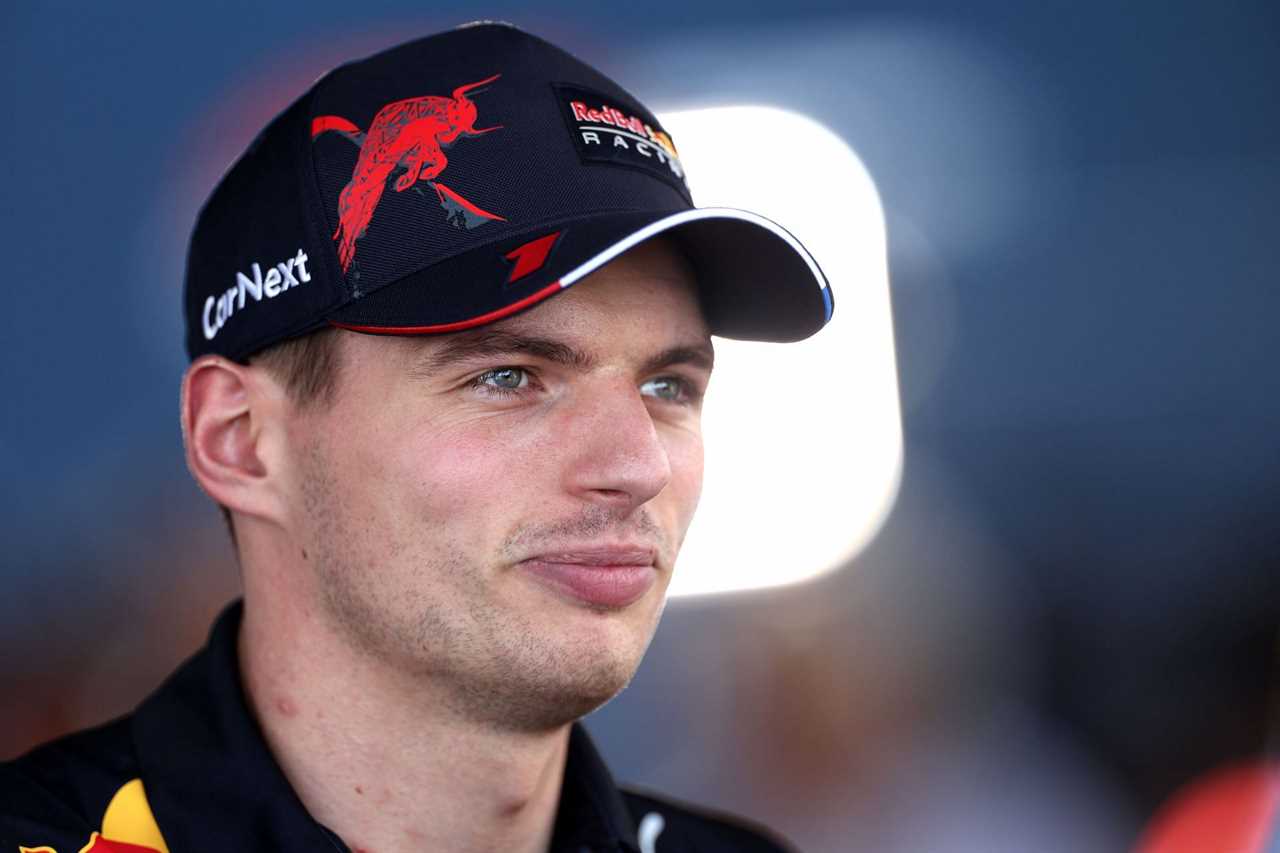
point(213, 784)
point(592, 815)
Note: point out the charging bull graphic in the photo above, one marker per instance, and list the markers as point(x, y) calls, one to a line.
point(128, 826)
point(411, 135)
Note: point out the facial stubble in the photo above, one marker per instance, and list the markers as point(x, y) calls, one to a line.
point(431, 615)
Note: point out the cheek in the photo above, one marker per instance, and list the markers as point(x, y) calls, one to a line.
point(684, 453)
point(475, 476)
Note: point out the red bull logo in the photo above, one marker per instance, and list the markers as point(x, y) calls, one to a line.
point(127, 826)
point(409, 135)
point(97, 844)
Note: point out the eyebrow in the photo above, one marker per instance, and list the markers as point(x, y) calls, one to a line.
point(466, 347)
point(700, 356)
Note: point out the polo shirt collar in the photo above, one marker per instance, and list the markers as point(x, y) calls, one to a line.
point(592, 815)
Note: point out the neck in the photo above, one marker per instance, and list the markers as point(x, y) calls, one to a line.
point(377, 756)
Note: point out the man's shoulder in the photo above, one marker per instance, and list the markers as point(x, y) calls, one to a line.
point(666, 824)
point(56, 794)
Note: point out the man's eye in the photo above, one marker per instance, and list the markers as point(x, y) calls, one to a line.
point(503, 380)
point(670, 388)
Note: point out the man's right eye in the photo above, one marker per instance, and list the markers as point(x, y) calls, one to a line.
point(502, 380)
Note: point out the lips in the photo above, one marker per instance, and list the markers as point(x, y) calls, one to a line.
point(608, 578)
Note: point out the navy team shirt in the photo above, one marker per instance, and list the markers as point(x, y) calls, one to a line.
point(189, 772)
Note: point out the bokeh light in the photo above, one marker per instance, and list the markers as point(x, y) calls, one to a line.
point(804, 440)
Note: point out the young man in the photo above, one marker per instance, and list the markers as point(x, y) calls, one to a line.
point(457, 502)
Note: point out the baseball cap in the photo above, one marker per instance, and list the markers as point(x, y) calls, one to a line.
point(455, 180)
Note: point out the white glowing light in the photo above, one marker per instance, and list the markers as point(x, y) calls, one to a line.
point(803, 440)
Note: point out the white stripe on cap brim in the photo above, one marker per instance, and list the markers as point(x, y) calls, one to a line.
point(694, 215)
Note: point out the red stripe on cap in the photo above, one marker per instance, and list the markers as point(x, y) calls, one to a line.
point(320, 124)
point(441, 188)
point(460, 324)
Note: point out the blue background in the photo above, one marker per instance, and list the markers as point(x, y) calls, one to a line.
point(1072, 609)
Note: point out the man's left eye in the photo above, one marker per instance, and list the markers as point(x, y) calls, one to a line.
point(667, 388)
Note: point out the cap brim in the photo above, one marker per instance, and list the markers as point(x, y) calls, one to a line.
point(755, 280)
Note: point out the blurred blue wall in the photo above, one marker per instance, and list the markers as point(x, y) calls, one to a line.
point(1082, 201)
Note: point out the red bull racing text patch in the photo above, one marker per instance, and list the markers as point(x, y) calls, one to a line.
point(606, 131)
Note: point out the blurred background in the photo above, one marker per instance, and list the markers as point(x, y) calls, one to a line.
point(1072, 608)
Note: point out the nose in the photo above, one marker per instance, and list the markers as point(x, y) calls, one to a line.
point(616, 456)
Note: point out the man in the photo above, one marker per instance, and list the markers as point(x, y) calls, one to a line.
point(457, 502)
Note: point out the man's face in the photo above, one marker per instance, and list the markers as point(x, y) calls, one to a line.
point(499, 510)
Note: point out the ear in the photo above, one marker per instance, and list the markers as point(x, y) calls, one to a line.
point(233, 428)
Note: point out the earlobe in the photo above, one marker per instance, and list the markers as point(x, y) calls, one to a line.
point(223, 417)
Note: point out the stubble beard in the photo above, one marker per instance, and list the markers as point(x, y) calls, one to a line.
point(490, 665)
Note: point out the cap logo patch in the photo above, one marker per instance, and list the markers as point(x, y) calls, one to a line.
point(531, 256)
point(408, 137)
point(607, 131)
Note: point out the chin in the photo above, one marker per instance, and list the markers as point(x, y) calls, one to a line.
point(564, 682)
point(565, 702)
point(555, 662)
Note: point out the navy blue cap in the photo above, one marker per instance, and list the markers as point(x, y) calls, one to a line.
point(458, 179)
